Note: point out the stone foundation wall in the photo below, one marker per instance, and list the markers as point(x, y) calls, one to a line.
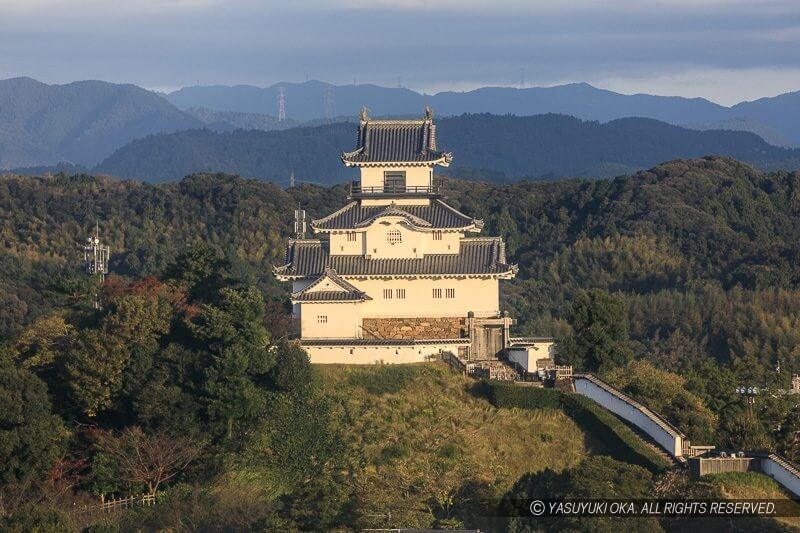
point(413, 328)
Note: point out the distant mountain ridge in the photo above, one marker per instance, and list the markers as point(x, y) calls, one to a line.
point(487, 147)
point(306, 101)
point(80, 123)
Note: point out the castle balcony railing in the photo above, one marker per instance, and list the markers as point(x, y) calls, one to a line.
point(393, 190)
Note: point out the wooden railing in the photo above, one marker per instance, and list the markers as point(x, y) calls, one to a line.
point(113, 504)
point(394, 189)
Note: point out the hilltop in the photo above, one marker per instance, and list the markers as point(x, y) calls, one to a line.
point(80, 122)
point(486, 147)
point(305, 102)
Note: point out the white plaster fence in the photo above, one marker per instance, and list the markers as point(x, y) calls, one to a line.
point(625, 407)
point(667, 435)
point(782, 471)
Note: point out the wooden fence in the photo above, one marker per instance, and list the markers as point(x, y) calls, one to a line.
point(114, 504)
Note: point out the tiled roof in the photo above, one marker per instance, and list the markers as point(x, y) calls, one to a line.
point(435, 215)
point(347, 292)
point(329, 296)
point(477, 256)
point(385, 141)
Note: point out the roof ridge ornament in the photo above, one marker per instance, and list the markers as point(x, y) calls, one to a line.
point(428, 113)
point(363, 116)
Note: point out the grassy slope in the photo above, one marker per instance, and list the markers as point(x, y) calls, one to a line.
point(422, 443)
point(751, 485)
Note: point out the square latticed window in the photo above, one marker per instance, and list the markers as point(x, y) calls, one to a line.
point(387, 293)
point(394, 236)
point(322, 319)
point(401, 293)
point(450, 293)
point(437, 293)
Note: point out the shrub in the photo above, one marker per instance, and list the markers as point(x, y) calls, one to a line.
point(505, 395)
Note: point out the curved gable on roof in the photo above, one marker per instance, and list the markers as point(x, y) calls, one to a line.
point(329, 287)
point(434, 215)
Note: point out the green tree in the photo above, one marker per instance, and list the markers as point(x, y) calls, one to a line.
point(292, 372)
point(741, 428)
point(789, 436)
point(94, 370)
point(201, 270)
point(599, 341)
point(31, 436)
point(237, 375)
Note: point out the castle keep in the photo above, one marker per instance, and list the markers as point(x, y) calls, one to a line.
point(397, 275)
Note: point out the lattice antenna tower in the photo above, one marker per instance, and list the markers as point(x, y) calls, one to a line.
point(95, 255)
point(281, 104)
point(329, 103)
point(292, 181)
point(300, 223)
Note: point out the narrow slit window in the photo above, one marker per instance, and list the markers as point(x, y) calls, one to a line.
point(401, 293)
point(437, 293)
point(322, 319)
point(437, 235)
point(450, 293)
point(351, 236)
point(387, 293)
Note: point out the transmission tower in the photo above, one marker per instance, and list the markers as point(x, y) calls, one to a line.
point(329, 103)
point(281, 104)
point(291, 179)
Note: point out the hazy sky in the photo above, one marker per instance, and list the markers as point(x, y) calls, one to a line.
point(724, 50)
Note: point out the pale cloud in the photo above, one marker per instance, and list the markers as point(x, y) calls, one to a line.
point(725, 50)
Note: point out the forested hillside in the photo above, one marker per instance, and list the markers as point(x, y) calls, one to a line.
point(690, 269)
point(81, 122)
point(704, 251)
point(488, 147)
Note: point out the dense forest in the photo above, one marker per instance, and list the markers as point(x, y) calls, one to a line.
point(677, 284)
point(542, 146)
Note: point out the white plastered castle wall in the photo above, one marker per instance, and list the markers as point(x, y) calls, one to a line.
point(416, 176)
point(323, 320)
point(479, 295)
point(367, 355)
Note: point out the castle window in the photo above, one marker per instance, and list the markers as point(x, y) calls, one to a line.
point(437, 235)
point(387, 293)
point(351, 236)
point(450, 293)
point(437, 293)
point(394, 236)
point(394, 181)
point(322, 319)
point(401, 293)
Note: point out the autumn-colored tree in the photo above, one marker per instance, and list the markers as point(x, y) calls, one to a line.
point(41, 343)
